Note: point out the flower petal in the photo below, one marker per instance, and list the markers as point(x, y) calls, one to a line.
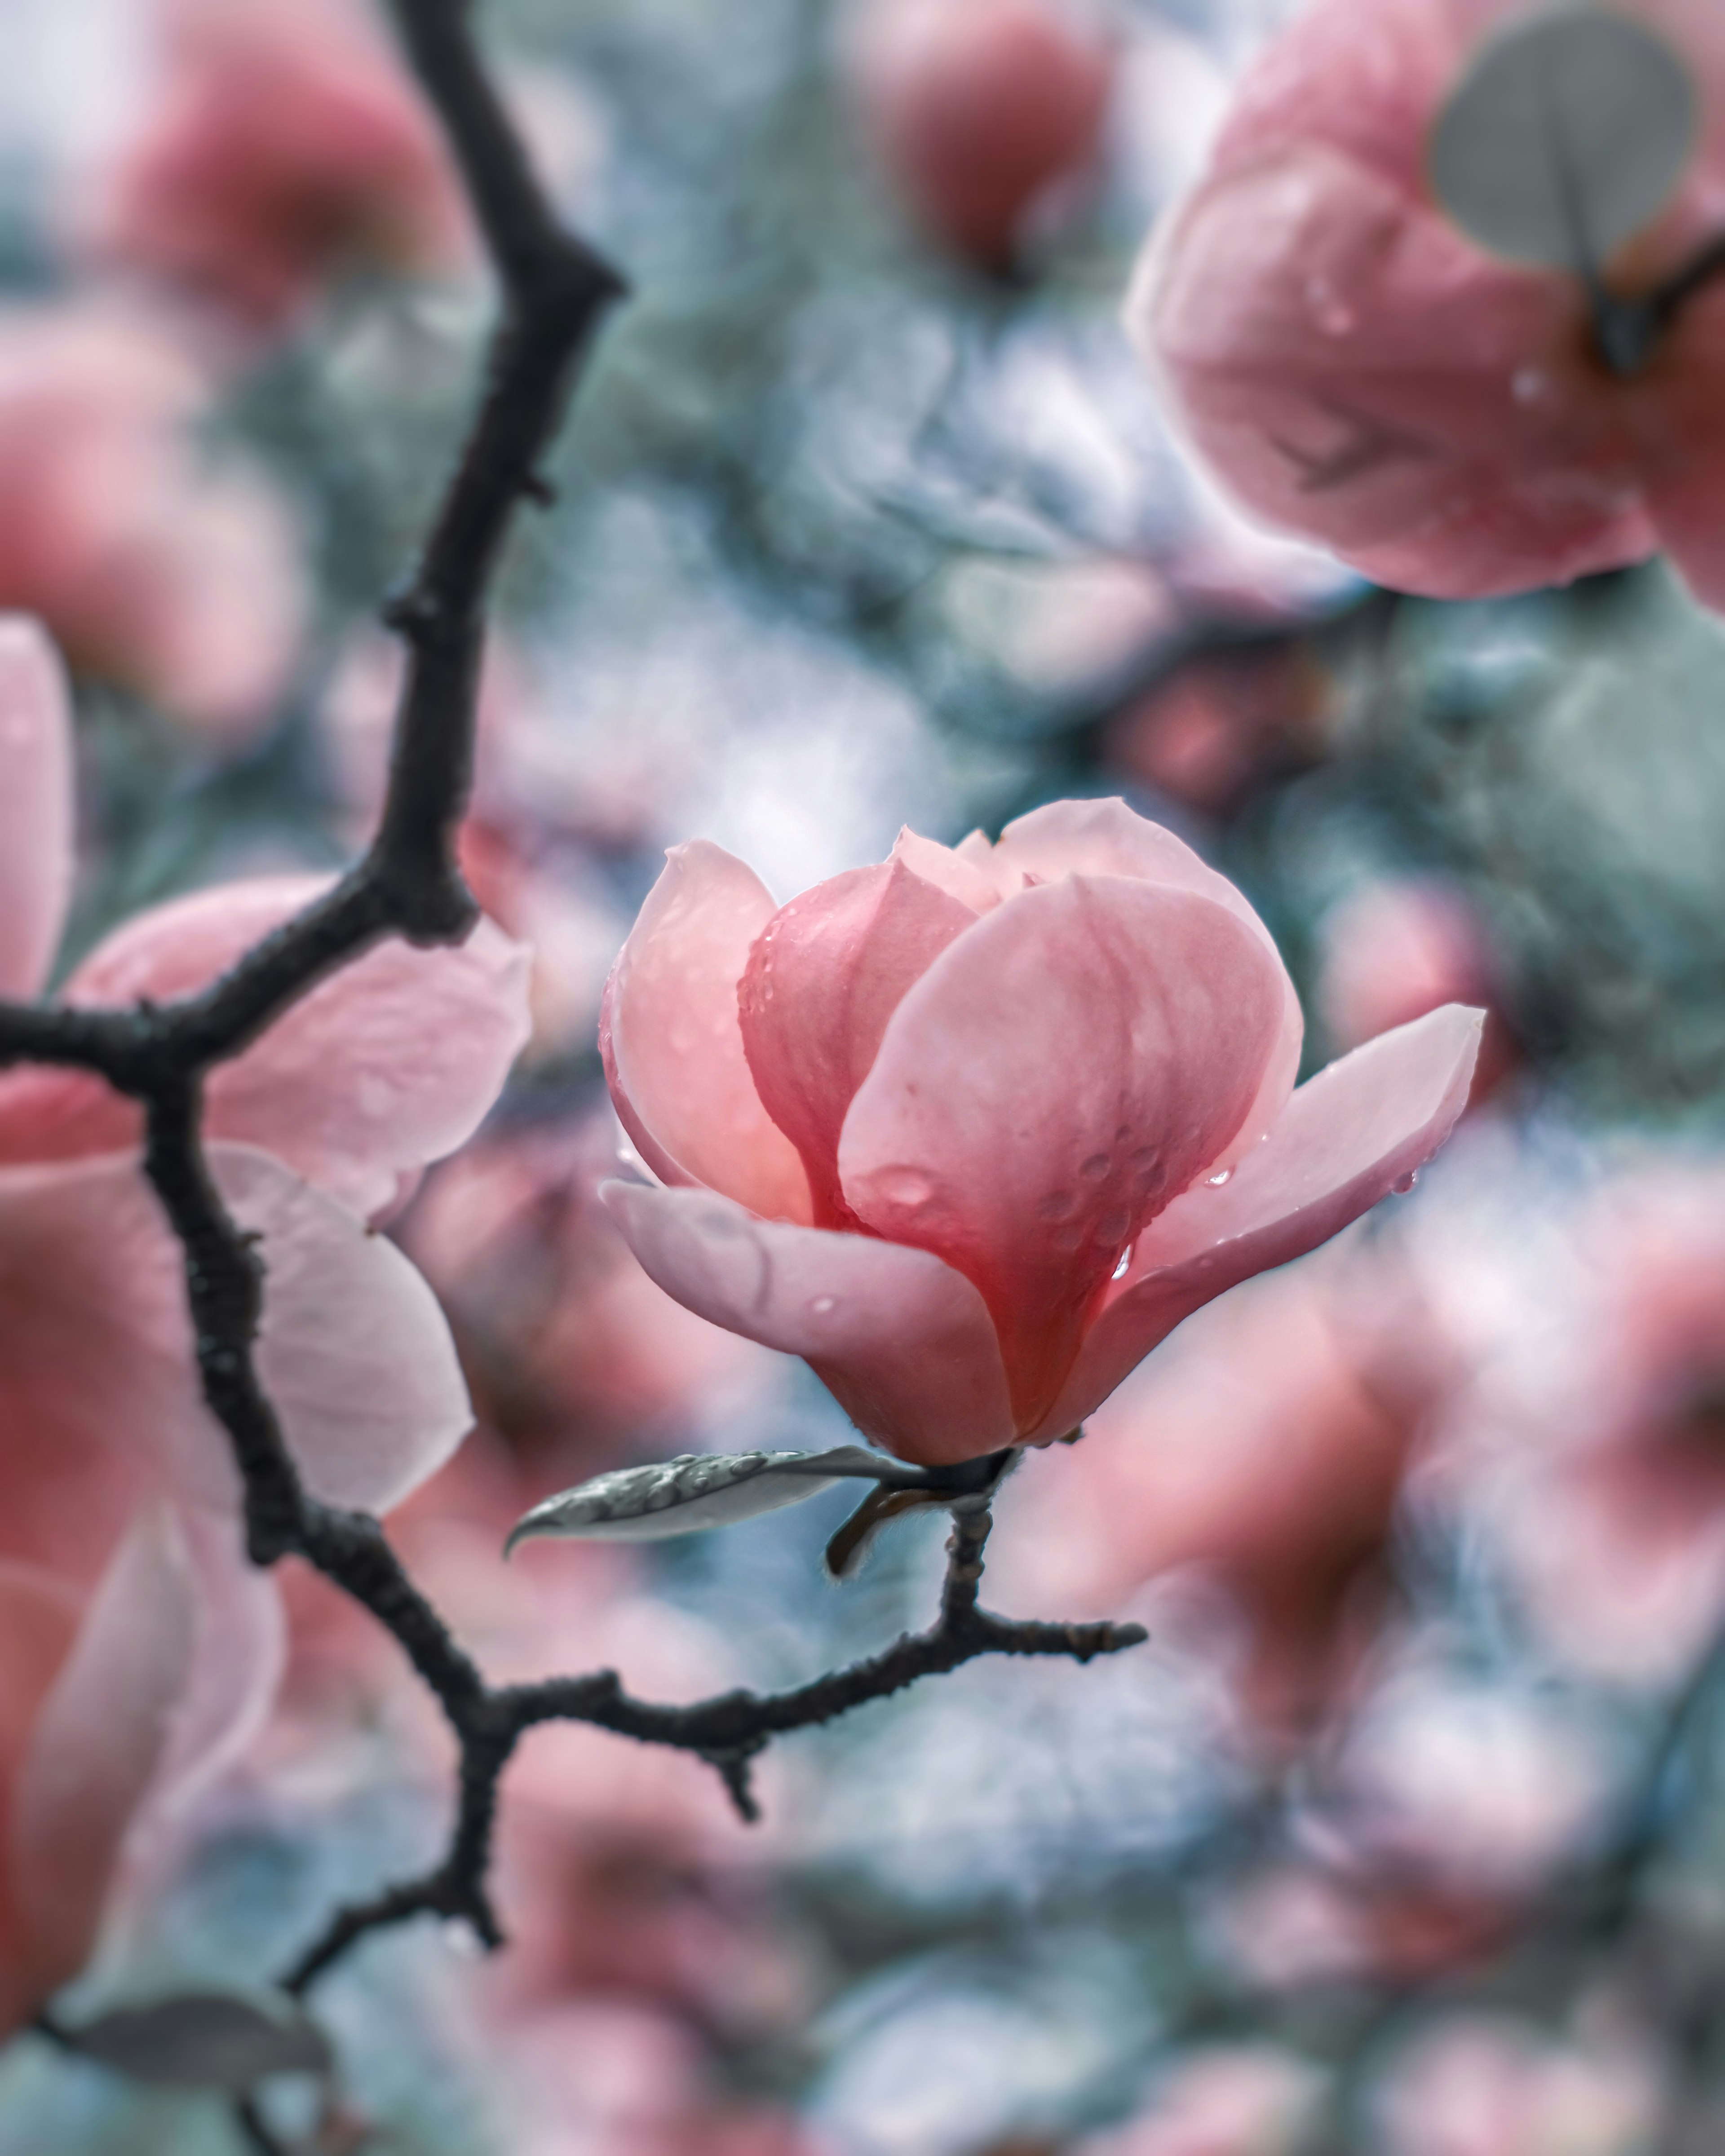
point(98, 1392)
point(35, 804)
point(1348, 1136)
point(672, 1041)
point(38, 1622)
point(1106, 838)
point(904, 1343)
point(1055, 1077)
point(390, 1063)
point(101, 1733)
point(823, 978)
point(950, 870)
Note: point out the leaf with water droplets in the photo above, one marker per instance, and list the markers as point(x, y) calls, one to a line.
point(205, 2040)
point(1565, 136)
point(696, 1491)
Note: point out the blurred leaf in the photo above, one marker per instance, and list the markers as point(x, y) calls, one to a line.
point(205, 2040)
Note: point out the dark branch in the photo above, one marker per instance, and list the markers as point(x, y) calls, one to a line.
point(727, 1731)
point(555, 291)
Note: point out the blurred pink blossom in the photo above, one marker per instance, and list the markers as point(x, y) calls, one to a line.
point(284, 145)
point(971, 1131)
point(979, 107)
point(145, 1645)
point(1240, 2101)
point(1221, 723)
point(1358, 372)
point(1479, 2086)
point(1266, 1449)
point(574, 1355)
point(170, 576)
point(1401, 947)
point(1611, 1509)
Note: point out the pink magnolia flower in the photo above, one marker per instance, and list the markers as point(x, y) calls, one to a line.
point(979, 107)
point(286, 143)
point(155, 570)
point(973, 1130)
point(1478, 2086)
point(1359, 370)
point(138, 1646)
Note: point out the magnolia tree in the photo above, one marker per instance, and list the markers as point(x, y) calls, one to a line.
point(366, 1229)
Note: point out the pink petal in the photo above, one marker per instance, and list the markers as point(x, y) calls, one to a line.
point(354, 1349)
point(902, 1343)
point(950, 870)
point(1054, 1078)
point(35, 804)
point(1106, 838)
point(1347, 1138)
point(38, 1622)
point(390, 1063)
point(101, 1733)
point(823, 978)
point(98, 1394)
point(672, 1041)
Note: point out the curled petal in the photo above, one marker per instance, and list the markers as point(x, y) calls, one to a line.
point(1348, 1136)
point(903, 1343)
point(1106, 838)
point(390, 1063)
point(823, 978)
point(35, 804)
point(1057, 1076)
point(672, 1040)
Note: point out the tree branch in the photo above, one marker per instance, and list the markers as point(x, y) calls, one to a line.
point(556, 290)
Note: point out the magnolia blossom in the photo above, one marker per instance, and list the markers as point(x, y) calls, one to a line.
point(973, 1129)
point(979, 107)
point(138, 1646)
point(284, 144)
point(1358, 370)
point(156, 570)
point(1480, 2086)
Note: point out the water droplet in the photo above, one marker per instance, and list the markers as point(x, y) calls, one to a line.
point(1056, 1205)
point(823, 1305)
point(1402, 1184)
point(1215, 1182)
point(1528, 384)
point(1125, 1258)
point(1096, 1168)
point(906, 1186)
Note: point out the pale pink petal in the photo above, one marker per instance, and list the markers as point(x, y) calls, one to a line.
point(672, 1041)
point(823, 978)
point(354, 1349)
point(1106, 838)
point(38, 1622)
point(35, 804)
point(98, 1393)
point(904, 1343)
point(1058, 1075)
point(950, 869)
point(1354, 1132)
point(390, 1063)
point(101, 1734)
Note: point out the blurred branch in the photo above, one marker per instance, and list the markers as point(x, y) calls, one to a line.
point(727, 1731)
point(555, 290)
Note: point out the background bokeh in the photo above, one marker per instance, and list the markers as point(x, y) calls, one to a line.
point(1403, 1834)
